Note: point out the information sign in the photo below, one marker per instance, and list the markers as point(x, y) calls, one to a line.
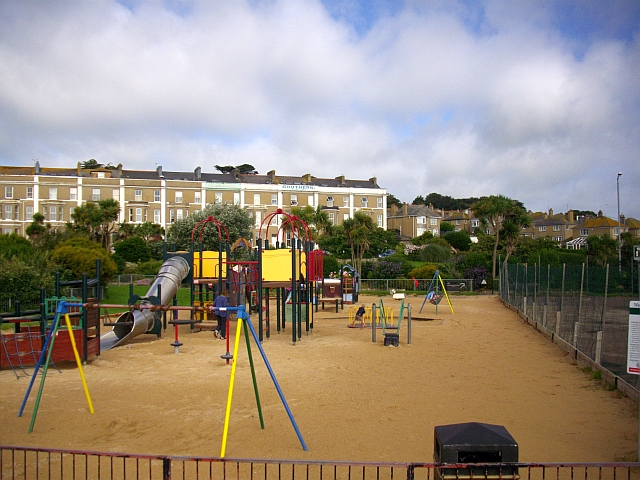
point(636, 253)
point(633, 343)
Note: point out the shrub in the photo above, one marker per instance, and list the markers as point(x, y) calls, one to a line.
point(24, 281)
point(331, 264)
point(77, 260)
point(385, 269)
point(133, 249)
point(434, 253)
point(426, 271)
point(150, 267)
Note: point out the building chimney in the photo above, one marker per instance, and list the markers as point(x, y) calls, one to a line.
point(37, 167)
point(306, 178)
point(551, 212)
point(119, 169)
point(622, 219)
point(600, 214)
point(198, 173)
point(571, 217)
point(340, 179)
point(159, 170)
point(374, 180)
point(405, 209)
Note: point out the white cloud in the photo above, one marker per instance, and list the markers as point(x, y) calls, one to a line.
point(460, 100)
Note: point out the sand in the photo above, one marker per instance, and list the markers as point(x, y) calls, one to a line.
point(351, 399)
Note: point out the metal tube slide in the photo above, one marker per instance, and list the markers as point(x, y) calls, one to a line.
point(131, 324)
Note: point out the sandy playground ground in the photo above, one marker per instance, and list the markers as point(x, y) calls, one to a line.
point(352, 399)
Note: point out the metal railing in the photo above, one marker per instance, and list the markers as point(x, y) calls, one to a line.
point(32, 463)
point(418, 284)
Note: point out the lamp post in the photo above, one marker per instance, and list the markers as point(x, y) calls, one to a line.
point(619, 244)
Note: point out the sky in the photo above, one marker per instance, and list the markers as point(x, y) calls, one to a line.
point(538, 100)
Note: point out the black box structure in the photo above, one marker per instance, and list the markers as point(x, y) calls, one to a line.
point(474, 443)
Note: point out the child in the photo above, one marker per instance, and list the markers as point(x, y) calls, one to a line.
point(360, 316)
point(220, 304)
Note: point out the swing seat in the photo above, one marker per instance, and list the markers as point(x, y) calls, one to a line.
point(433, 298)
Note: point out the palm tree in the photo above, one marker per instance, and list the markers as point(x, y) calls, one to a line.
point(358, 231)
point(495, 210)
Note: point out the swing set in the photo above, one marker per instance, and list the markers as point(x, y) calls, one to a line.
point(433, 292)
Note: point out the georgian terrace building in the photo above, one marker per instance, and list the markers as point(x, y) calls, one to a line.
point(163, 197)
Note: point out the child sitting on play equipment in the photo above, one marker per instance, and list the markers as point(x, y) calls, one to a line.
point(359, 316)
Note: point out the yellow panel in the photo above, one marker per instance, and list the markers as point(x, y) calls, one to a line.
point(276, 264)
point(209, 264)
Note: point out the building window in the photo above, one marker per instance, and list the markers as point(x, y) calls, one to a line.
point(45, 211)
point(61, 213)
point(258, 218)
point(421, 219)
point(137, 194)
point(100, 174)
point(29, 212)
point(475, 223)
point(294, 199)
point(218, 197)
point(329, 201)
point(332, 218)
point(365, 202)
point(310, 200)
point(457, 222)
point(236, 198)
point(379, 202)
point(138, 215)
point(345, 217)
point(615, 231)
point(557, 239)
point(52, 214)
point(156, 216)
point(556, 228)
point(53, 193)
point(584, 232)
point(256, 199)
point(7, 212)
point(73, 193)
point(433, 221)
point(8, 192)
point(95, 195)
point(420, 230)
point(274, 199)
point(197, 197)
point(29, 193)
point(380, 221)
point(71, 210)
point(179, 214)
point(345, 201)
point(156, 195)
point(542, 228)
point(178, 196)
point(172, 215)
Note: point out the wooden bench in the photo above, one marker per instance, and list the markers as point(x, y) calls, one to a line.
point(327, 300)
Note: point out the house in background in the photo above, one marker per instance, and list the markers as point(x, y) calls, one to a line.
point(462, 220)
point(413, 220)
point(558, 226)
point(599, 225)
point(632, 225)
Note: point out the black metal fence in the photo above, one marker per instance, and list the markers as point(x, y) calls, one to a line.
point(55, 464)
point(581, 305)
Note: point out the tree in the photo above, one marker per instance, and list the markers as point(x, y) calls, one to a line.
point(37, 229)
point(358, 232)
point(98, 219)
point(14, 245)
point(459, 240)
point(317, 219)
point(602, 248)
point(91, 163)
point(245, 169)
point(511, 228)
point(149, 231)
point(392, 200)
point(235, 219)
point(494, 211)
point(446, 227)
point(78, 255)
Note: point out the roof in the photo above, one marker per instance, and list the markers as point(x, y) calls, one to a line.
point(598, 222)
point(416, 211)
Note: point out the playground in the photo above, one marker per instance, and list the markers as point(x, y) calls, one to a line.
point(351, 398)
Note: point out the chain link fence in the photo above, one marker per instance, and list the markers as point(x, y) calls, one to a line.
point(584, 306)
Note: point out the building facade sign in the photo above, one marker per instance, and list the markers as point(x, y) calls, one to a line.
point(302, 188)
point(222, 186)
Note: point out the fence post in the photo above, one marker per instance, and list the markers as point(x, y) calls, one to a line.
point(576, 327)
point(604, 305)
point(564, 271)
point(558, 316)
point(373, 323)
point(166, 468)
point(548, 293)
point(408, 324)
point(599, 348)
